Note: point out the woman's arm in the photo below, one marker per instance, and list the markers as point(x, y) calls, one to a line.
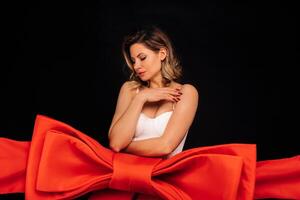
point(123, 125)
point(176, 128)
point(153, 147)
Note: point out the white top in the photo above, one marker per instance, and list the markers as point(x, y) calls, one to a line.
point(148, 127)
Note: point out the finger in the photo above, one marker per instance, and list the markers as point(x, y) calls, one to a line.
point(175, 93)
point(170, 98)
point(169, 90)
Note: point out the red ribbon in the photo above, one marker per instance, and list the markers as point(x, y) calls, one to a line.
point(64, 163)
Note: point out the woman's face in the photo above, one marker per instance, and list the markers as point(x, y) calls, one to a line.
point(146, 63)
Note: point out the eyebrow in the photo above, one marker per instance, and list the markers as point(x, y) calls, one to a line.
point(137, 55)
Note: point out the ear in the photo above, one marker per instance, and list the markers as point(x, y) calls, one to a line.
point(163, 53)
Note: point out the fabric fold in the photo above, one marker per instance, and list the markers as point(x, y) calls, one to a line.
point(63, 163)
point(278, 178)
point(13, 164)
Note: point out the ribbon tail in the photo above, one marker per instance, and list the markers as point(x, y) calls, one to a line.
point(13, 163)
point(110, 194)
point(278, 179)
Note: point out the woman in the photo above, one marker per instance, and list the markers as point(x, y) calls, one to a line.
point(151, 120)
point(154, 111)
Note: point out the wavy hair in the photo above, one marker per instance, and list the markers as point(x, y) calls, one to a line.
point(154, 39)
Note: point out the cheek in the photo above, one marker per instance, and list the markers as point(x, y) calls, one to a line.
point(153, 63)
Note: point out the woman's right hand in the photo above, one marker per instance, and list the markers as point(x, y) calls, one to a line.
point(158, 94)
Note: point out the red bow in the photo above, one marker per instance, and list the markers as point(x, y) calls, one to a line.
point(64, 163)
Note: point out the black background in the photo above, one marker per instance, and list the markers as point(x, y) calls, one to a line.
point(63, 59)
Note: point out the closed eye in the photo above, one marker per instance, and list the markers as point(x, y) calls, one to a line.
point(141, 58)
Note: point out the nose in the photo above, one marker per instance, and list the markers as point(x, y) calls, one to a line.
point(136, 65)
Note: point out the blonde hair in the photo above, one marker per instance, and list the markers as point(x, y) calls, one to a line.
point(154, 39)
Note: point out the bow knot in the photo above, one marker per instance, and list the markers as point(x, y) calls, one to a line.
point(128, 176)
point(64, 163)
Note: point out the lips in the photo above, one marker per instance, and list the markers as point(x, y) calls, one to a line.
point(141, 73)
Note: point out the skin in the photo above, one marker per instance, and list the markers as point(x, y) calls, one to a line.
point(151, 101)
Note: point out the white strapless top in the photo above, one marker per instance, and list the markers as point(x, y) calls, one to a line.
point(148, 127)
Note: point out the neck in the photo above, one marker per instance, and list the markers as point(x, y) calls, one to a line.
point(156, 85)
point(156, 82)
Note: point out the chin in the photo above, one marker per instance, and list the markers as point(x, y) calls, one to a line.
point(144, 79)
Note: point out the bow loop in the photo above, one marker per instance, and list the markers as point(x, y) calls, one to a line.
point(65, 157)
point(64, 163)
point(133, 173)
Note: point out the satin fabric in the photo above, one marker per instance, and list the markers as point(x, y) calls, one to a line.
point(63, 163)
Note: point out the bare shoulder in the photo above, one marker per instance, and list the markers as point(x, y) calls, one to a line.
point(190, 89)
point(187, 89)
point(129, 87)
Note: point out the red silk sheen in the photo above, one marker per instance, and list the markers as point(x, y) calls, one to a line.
point(283, 175)
point(127, 174)
point(63, 163)
point(13, 160)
